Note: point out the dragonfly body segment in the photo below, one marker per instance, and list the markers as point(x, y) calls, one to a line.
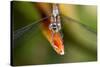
point(57, 43)
point(55, 24)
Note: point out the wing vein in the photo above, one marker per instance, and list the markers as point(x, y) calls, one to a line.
point(24, 29)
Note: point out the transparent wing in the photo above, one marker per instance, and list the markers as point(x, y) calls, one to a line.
point(22, 30)
point(68, 19)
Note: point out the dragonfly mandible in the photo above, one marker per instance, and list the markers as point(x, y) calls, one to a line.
point(54, 27)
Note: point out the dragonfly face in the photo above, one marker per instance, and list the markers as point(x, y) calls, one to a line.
point(55, 27)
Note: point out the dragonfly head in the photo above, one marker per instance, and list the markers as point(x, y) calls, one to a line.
point(55, 27)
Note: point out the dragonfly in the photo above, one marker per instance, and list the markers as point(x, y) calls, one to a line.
point(54, 28)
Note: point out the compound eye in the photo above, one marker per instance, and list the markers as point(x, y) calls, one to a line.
point(59, 24)
point(54, 25)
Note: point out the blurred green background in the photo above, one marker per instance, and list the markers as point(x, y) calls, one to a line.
point(33, 48)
